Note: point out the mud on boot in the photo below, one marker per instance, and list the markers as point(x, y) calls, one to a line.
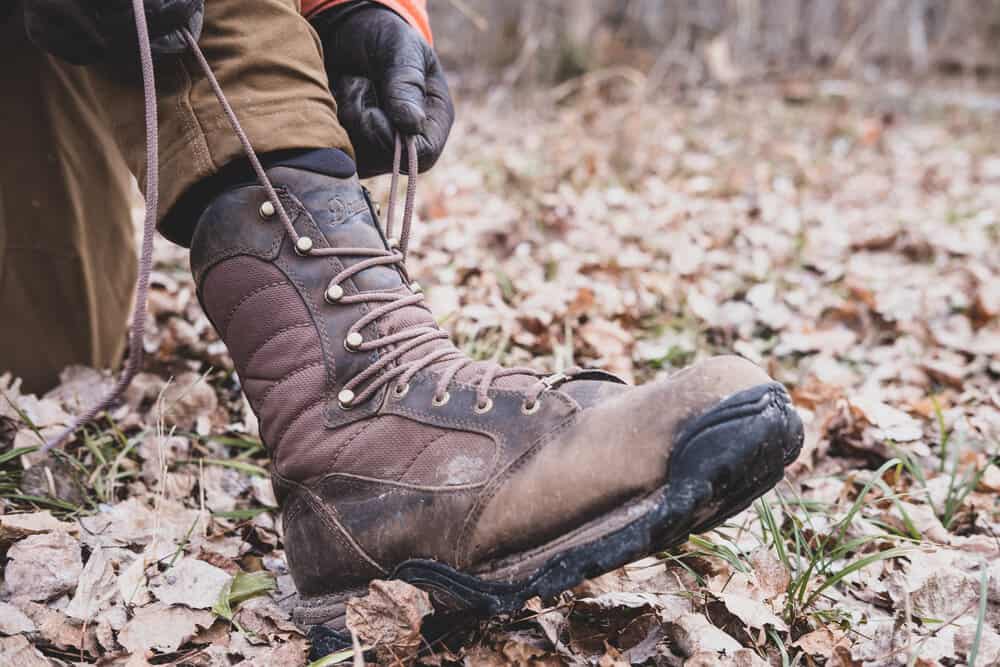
point(394, 455)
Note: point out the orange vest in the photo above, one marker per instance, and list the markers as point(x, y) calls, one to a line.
point(414, 11)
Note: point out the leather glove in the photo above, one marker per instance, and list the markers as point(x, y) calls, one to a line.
point(385, 78)
point(90, 31)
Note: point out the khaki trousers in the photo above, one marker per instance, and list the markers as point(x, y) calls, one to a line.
point(71, 136)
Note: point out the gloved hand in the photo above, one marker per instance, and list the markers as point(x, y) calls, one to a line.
point(385, 78)
point(89, 31)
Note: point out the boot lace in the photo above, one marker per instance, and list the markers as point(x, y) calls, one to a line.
point(391, 347)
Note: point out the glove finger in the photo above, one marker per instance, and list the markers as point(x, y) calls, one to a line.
point(403, 88)
point(369, 129)
point(174, 42)
point(440, 117)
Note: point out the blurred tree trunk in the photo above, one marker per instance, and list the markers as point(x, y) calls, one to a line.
point(569, 37)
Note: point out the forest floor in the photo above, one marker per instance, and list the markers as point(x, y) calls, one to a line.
point(848, 243)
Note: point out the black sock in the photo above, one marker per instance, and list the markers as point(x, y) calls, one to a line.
point(179, 223)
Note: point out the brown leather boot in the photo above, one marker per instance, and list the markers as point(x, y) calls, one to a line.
point(394, 455)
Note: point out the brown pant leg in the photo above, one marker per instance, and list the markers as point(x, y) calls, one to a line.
point(67, 255)
point(269, 62)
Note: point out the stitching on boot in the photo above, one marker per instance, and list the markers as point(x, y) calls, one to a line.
point(402, 485)
point(276, 383)
point(327, 513)
point(279, 332)
point(340, 450)
point(234, 251)
point(294, 209)
point(511, 561)
point(247, 297)
point(311, 305)
point(294, 506)
point(475, 513)
point(498, 438)
point(413, 459)
point(294, 420)
point(328, 516)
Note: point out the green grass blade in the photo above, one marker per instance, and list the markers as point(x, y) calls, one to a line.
point(14, 453)
point(984, 581)
point(859, 564)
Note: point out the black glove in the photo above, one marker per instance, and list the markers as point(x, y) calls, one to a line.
point(90, 31)
point(386, 78)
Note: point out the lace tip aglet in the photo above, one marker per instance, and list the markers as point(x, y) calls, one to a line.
point(58, 440)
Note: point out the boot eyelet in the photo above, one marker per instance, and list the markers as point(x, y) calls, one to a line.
point(531, 408)
point(333, 293)
point(344, 398)
point(401, 390)
point(266, 210)
point(485, 407)
point(303, 245)
point(438, 401)
point(353, 341)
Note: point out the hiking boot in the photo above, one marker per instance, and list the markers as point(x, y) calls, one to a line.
point(395, 456)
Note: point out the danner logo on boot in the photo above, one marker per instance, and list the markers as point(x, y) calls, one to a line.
point(343, 211)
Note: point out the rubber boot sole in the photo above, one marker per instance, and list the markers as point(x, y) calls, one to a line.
point(723, 460)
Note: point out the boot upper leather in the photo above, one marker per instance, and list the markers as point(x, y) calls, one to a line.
point(400, 475)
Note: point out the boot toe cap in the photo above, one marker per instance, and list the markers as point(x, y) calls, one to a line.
point(614, 452)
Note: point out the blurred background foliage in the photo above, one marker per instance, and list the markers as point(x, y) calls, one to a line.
point(694, 42)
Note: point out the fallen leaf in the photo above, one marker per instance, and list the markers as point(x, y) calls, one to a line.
point(989, 643)
point(133, 584)
point(58, 629)
point(829, 341)
point(771, 575)
point(291, 653)
point(821, 643)
point(96, 587)
point(17, 651)
point(694, 634)
point(189, 582)
point(389, 618)
point(242, 587)
point(939, 583)
point(741, 657)
point(891, 423)
point(612, 344)
point(162, 629)
point(187, 399)
point(14, 527)
point(262, 618)
point(13, 621)
point(752, 613)
point(36, 522)
point(43, 566)
point(133, 523)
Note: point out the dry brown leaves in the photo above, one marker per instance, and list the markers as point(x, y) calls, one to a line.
point(849, 245)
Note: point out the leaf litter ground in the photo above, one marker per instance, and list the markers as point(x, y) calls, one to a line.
point(849, 244)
